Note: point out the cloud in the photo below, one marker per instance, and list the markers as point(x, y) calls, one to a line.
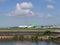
point(26, 5)
point(50, 7)
point(39, 14)
point(49, 16)
point(22, 9)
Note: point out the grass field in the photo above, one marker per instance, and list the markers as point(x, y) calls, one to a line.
point(29, 28)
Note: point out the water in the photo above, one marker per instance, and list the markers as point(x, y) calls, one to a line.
point(28, 43)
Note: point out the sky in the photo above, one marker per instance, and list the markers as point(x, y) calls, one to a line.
point(26, 12)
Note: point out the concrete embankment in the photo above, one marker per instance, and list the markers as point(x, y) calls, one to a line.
point(28, 34)
point(26, 37)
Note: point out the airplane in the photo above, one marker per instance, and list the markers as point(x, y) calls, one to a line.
point(25, 26)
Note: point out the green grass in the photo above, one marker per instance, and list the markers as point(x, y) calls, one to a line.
point(29, 28)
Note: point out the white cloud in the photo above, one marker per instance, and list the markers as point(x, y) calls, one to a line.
point(50, 7)
point(26, 5)
point(22, 9)
point(39, 14)
point(49, 16)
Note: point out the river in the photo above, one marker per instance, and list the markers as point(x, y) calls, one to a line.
point(28, 43)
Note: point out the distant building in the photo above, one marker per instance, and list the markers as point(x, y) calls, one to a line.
point(51, 26)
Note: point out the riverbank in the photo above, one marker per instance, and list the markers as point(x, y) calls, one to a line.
point(29, 38)
point(25, 37)
point(33, 38)
point(28, 35)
